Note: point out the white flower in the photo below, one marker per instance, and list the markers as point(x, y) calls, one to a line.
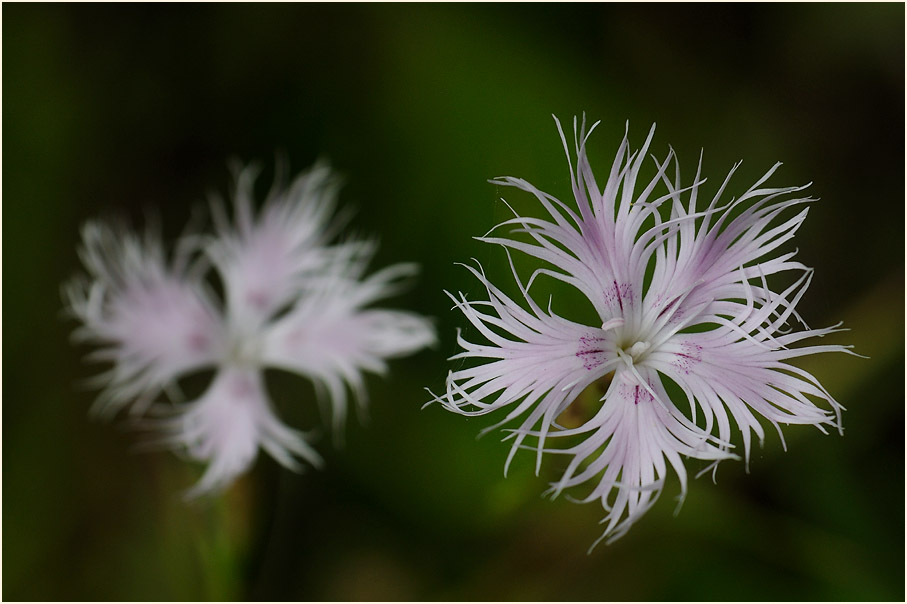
point(683, 301)
point(292, 300)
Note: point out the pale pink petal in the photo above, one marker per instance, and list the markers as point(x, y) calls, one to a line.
point(265, 259)
point(227, 426)
point(331, 336)
point(154, 321)
point(627, 445)
point(536, 373)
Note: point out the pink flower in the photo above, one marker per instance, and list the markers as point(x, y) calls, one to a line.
point(292, 300)
point(683, 304)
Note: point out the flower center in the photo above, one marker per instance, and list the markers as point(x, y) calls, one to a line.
point(245, 351)
point(634, 353)
point(637, 350)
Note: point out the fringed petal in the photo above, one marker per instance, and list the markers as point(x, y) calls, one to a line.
point(154, 321)
point(227, 425)
point(330, 337)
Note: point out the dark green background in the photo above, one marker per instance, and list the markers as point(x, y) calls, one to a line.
point(122, 110)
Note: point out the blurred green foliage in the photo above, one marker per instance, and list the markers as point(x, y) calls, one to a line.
point(127, 109)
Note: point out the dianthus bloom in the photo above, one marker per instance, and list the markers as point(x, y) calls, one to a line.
point(292, 300)
point(684, 306)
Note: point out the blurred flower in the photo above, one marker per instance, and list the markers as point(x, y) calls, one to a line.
point(685, 307)
point(292, 300)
